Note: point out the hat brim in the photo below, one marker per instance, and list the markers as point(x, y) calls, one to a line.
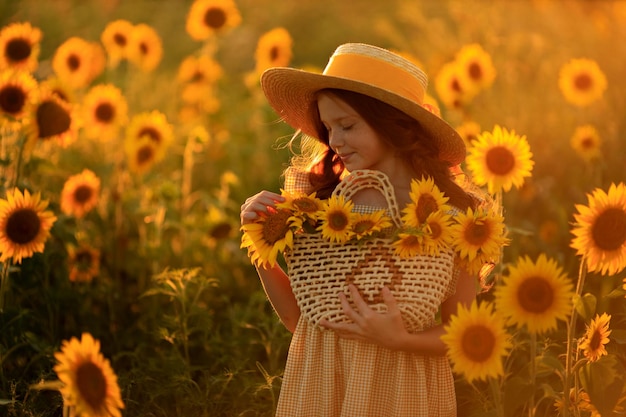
point(292, 94)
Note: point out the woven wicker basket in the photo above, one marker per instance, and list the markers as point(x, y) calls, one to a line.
point(320, 270)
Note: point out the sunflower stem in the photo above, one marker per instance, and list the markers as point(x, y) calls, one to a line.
point(4, 283)
point(533, 372)
point(496, 393)
point(571, 328)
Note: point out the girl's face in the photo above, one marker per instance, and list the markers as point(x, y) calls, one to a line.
point(352, 139)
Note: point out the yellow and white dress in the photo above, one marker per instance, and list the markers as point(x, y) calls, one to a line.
point(327, 376)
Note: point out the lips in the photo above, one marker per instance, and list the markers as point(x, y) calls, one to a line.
point(346, 156)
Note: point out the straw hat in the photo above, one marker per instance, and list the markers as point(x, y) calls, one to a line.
point(368, 70)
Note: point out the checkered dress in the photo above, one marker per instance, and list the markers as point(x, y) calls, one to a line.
point(327, 376)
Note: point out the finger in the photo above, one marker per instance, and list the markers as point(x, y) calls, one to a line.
point(390, 301)
point(361, 305)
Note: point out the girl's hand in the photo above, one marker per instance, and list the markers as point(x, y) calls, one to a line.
point(254, 207)
point(385, 329)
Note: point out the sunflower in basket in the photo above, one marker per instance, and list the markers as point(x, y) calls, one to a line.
point(426, 198)
point(306, 209)
point(337, 219)
point(369, 224)
point(269, 236)
point(438, 233)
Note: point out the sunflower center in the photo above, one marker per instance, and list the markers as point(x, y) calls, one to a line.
point(120, 39)
point(82, 194)
point(535, 295)
point(435, 230)
point(587, 143)
point(105, 112)
point(275, 226)
point(338, 220)
point(144, 155)
point(595, 342)
point(478, 343)
point(426, 204)
point(83, 260)
point(363, 226)
point(73, 62)
point(12, 99)
point(455, 86)
point(411, 241)
point(215, 18)
point(144, 48)
point(305, 205)
point(18, 49)
point(477, 233)
point(92, 384)
point(151, 132)
point(609, 229)
point(274, 53)
point(52, 119)
point(475, 71)
point(23, 226)
point(583, 82)
point(500, 160)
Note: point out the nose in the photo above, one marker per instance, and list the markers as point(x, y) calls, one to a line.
point(335, 140)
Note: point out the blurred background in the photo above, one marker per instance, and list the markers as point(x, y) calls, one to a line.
point(161, 280)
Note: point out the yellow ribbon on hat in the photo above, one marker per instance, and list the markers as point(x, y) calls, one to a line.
point(381, 74)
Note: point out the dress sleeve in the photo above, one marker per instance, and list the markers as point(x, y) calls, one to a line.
point(297, 181)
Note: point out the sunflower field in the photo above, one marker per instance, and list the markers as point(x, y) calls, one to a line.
point(133, 130)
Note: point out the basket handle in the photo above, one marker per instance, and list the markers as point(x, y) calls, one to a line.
point(365, 178)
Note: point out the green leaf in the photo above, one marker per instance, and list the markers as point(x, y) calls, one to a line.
point(517, 392)
point(585, 305)
point(603, 380)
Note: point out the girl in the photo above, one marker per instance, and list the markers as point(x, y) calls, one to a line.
point(365, 113)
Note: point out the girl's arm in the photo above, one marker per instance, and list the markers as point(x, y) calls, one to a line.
point(274, 280)
point(277, 288)
point(387, 329)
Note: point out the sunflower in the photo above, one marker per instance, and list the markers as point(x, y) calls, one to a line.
point(264, 239)
point(600, 230)
point(154, 126)
point(59, 89)
point(451, 86)
point(77, 62)
point(476, 67)
point(19, 47)
point(142, 154)
point(366, 224)
point(469, 132)
point(476, 341)
point(438, 233)
point(24, 225)
point(83, 262)
point(18, 93)
point(306, 209)
point(501, 159)
point(409, 244)
point(210, 17)
point(586, 142)
point(104, 111)
point(116, 40)
point(53, 121)
point(80, 194)
point(426, 198)
point(478, 236)
point(273, 49)
point(199, 70)
point(145, 49)
point(535, 294)
point(89, 383)
point(582, 81)
point(337, 219)
point(596, 337)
